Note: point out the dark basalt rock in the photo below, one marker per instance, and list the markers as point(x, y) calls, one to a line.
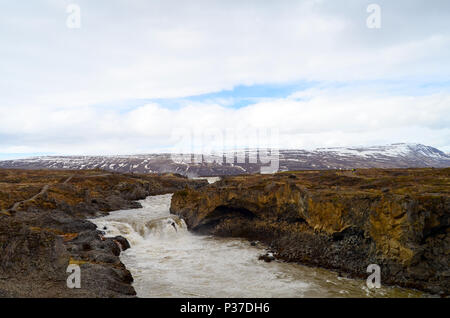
point(340, 220)
point(268, 257)
point(123, 242)
point(50, 231)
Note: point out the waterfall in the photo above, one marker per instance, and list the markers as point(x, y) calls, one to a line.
point(144, 224)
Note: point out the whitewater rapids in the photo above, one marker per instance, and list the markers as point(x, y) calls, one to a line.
point(166, 260)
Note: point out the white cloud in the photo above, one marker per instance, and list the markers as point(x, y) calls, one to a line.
point(53, 76)
point(169, 49)
point(326, 118)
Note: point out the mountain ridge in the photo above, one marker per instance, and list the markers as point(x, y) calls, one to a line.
point(398, 155)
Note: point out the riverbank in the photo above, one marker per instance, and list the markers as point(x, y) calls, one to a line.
point(340, 220)
point(43, 229)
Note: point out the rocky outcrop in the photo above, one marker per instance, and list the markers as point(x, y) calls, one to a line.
point(36, 251)
point(341, 220)
point(43, 229)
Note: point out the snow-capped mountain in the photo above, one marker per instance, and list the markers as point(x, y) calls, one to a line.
point(398, 155)
point(389, 156)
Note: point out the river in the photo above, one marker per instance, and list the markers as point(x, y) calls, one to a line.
point(166, 260)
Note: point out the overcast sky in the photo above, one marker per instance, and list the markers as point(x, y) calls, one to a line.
point(138, 70)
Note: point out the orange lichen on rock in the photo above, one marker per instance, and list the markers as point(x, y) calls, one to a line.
point(342, 220)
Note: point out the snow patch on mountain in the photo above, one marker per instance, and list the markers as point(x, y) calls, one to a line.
point(399, 155)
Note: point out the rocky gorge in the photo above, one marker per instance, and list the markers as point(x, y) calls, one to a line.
point(341, 220)
point(43, 229)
